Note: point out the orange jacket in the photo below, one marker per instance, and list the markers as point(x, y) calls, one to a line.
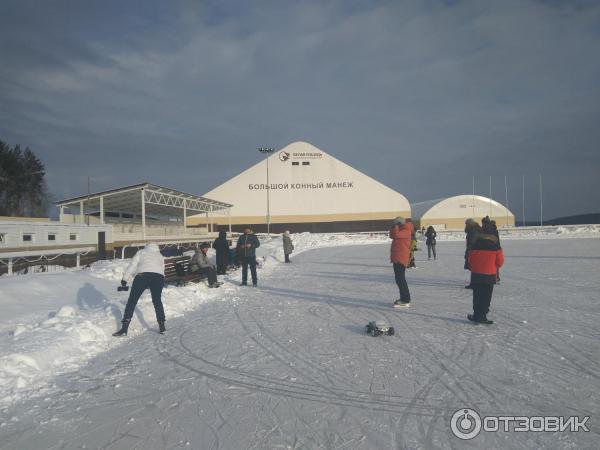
point(485, 258)
point(400, 250)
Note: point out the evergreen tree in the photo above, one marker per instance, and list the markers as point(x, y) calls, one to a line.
point(22, 184)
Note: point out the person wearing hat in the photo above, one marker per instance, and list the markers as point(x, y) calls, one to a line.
point(472, 229)
point(221, 246)
point(485, 257)
point(401, 235)
point(200, 263)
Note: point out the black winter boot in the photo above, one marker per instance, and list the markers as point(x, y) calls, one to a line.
point(123, 330)
point(161, 326)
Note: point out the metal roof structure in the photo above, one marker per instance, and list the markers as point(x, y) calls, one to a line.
point(144, 198)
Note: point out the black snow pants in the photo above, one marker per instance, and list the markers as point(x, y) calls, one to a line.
point(482, 297)
point(399, 273)
point(431, 248)
point(248, 261)
point(141, 282)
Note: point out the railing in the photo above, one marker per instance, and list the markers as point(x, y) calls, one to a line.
point(41, 258)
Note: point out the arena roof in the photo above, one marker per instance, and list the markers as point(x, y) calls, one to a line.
point(157, 200)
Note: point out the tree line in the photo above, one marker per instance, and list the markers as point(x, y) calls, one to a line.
point(23, 191)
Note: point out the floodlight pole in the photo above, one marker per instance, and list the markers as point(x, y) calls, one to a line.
point(267, 151)
point(541, 204)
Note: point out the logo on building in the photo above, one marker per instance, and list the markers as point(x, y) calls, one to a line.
point(284, 156)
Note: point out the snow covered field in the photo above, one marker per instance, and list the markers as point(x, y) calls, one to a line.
point(287, 365)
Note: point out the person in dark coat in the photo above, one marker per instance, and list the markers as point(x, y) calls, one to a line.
point(413, 245)
point(485, 257)
point(221, 245)
point(471, 229)
point(489, 227)
point(288, 246)
point(246, 247)
point(430, 234)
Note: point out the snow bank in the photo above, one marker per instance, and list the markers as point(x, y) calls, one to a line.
point(521, 233)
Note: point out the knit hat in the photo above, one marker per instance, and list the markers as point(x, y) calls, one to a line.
point(205, 245)
point(399, 221)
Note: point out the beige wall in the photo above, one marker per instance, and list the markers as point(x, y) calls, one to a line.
point(220, 220)
point(24, 219)
point(459, 224)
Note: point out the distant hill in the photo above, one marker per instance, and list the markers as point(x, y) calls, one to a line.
point(575, 220)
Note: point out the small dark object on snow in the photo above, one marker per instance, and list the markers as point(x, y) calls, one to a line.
point(375, 330)
point(123, 286)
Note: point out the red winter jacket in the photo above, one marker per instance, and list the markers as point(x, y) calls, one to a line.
point(400, 251)
point(485, 258)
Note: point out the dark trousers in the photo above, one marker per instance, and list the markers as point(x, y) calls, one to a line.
point(431, 248)
point(482, 297)
point(210, 273)
point(141, 282)
point(248, 261)
point(399, 272)
point(221, 269)
point(287, 257)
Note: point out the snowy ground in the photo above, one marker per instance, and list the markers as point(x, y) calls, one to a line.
point(287, 365)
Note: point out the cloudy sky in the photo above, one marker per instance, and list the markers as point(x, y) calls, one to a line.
point(421, 95)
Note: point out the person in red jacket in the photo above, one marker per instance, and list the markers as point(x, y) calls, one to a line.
point(485, 257)
point(401, 233)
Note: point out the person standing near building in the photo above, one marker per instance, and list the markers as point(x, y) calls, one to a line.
point(471, 230)
point(489, 226)
point(485, 257)
point(148, 267)
point(288, 246)
point(221, 246)
point(401, 235)
point(430, 234)
point(247, 245)
point(413, 245)
point(201, 264)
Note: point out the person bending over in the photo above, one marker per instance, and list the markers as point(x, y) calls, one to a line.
point(148, 267)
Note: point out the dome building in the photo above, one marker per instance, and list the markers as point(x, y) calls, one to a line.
point(451, 213)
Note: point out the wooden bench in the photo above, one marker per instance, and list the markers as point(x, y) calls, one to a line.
point(176, 271)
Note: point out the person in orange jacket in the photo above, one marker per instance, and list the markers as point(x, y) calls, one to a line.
point(484, 257)
point(401, 234)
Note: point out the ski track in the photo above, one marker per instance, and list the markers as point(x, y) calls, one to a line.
point(288, 365)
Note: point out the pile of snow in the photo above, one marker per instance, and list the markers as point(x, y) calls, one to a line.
point(55, 322)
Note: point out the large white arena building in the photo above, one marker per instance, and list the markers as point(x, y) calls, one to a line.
point(307, 190)
point(451, 213)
